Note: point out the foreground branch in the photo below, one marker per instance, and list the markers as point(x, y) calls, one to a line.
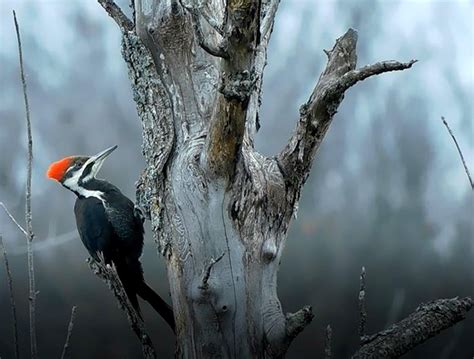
point(109, 275)
point(28, 214)
point(460, 152)
point(428, 320)
point(12, 298)
point(316, 115)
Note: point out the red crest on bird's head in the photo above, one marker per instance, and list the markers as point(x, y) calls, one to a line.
point(57, 169)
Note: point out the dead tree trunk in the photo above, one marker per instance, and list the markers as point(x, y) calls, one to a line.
point(219, 210)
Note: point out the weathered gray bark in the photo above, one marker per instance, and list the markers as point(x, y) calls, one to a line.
point(219, 210)
point(425, 322)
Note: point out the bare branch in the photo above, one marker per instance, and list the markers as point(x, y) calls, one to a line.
point(352, 77)
point(460, 152)
point(428, 320)
point(204, 283)
point(117, 15)
point(109, 275)
point(65, 353)
point(296, 322)
point(362, 309)
point(316, 115)
point(13, 219)
point(12, 298)
point(328, 343)
point(28, 214)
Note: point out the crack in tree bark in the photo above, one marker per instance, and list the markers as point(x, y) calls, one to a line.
point(205, 279)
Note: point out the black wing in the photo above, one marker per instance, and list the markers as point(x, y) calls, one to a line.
point(95, 229)
point(126, 223)
point(98, 235)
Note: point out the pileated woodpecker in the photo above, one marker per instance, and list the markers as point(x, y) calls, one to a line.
point(109, 223)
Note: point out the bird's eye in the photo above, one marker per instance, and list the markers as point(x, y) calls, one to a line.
point(72, 168)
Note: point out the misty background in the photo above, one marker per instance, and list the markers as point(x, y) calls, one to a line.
point(387, 190)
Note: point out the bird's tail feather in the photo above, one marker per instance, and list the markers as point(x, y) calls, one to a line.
point(163, 309)
point(129, 279)
point(131, 276)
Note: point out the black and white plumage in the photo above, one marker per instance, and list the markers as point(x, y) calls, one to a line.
point(109, 223)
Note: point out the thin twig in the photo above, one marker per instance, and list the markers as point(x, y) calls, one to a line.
point(28, 215)
point(362, 309)
point(328, 343)
point(13, 219)
point(12, 298)
point(207, 273)
point(65, 353)
point(460, 153)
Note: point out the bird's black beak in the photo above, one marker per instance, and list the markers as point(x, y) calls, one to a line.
point(98, 161)
point(101, 156)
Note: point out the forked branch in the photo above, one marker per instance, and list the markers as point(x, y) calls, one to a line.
point(316, 115)
point(428, 320)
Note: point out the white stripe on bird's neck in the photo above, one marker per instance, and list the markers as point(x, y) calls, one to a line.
point(73, 183)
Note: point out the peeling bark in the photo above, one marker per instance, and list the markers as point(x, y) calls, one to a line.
point(219, 210)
